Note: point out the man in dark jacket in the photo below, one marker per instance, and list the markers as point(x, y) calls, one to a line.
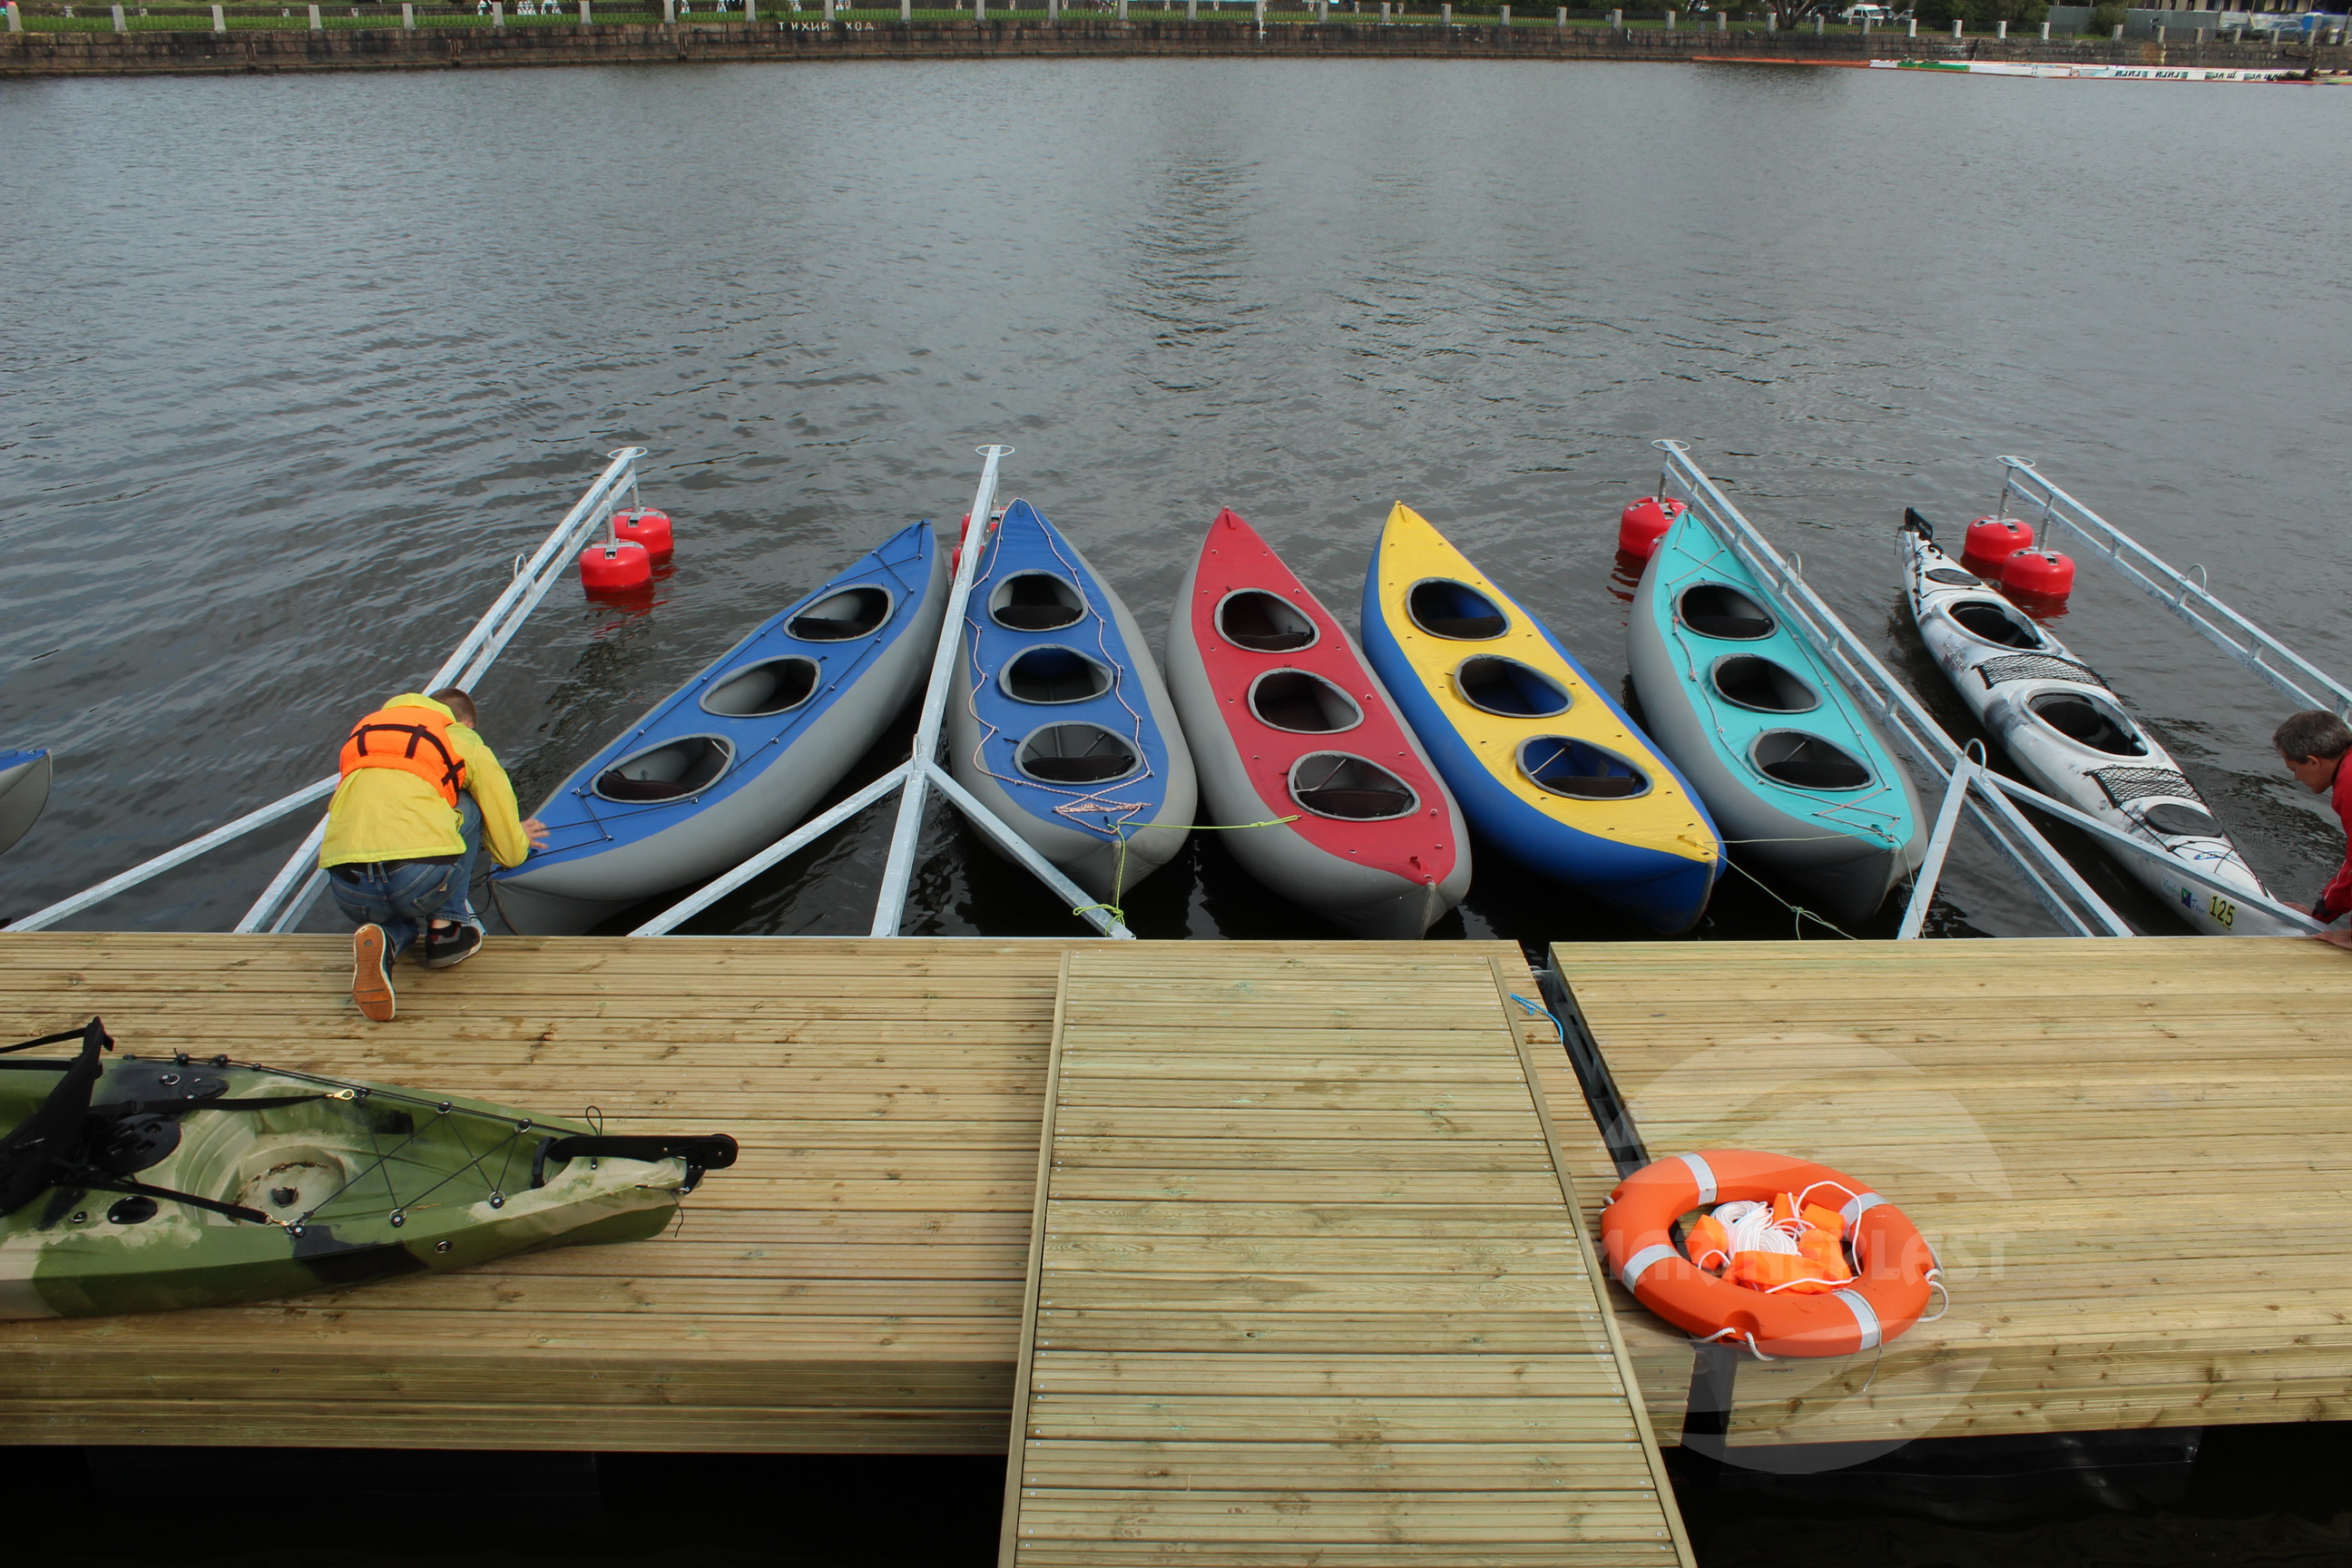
point(2313, 745)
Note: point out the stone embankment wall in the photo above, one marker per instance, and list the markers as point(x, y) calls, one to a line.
point(108, 53)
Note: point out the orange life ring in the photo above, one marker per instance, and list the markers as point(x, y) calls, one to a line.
point(1894, 1267)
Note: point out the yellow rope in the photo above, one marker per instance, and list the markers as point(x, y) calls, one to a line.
point(1118, 865)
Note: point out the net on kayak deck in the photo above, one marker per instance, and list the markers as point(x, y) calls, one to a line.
point(2037, 666)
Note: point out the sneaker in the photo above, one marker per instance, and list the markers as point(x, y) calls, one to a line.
point(371, 973)
point(451, 945)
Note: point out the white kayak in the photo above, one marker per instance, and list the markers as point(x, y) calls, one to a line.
point(2071, 738)
point(24, 790)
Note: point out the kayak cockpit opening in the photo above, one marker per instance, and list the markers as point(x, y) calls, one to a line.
point(1807, 762)
point(1507, 688)
point(1052, 674)
point(1762, 686)
point(1580, 770)
point(2088, 721)
point(1075, 754)
point(760, 690)
point(1035, 602)
point(1994, 623)
point(1302, 704)
point(1720, 610)
point(1457, 610)
point(2176, 820)
point(840, 617)
point(671, 771)
point(1333, 783)
point(1264, 623)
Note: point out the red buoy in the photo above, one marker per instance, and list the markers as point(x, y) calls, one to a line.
point(1994, 540)
point(1645, 523)
point(2040, 573)
point(617, 568)
point(649, 528)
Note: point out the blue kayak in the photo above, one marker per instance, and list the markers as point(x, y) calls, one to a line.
point(732, 760)
point(1058, 720)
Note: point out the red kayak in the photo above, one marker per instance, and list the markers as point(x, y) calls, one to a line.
point(1285, 719)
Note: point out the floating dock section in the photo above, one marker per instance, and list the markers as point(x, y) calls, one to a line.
point(2127, 1152)
point(1306, 1284)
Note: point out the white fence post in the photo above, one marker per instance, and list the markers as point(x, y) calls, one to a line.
point(318, 23)
point(17, 23)
point(1670, 19)
point(1955, 27)
point(907, 10)
point(220, 18)
point(1445, 13)
point(1505, 20)
point(1192, 10)
point(120, 24)
point(497, 13)
point(1616, 19)
point(586, 19)
point(669, 13)
point(407, 15)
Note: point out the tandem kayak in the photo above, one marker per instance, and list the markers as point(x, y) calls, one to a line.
point(1285, 719)
point(1541, 760)
point(1057, 720)
point(24, 791)
point(731, 760)
point(142, 1183)
point(2070, 737)
point(1794, 773)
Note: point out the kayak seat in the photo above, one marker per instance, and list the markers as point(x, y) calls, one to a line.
point(1720, 610)
point(760, 690)
point(1455, 611)
point(1333, 783)
point(1507, 688)
point(1054, 675)
point(1075, 754)
point(2089, 723)
point(1994, 624)
point(840, 617)
point(1302, 704)
point(1035, 602)
point(1264, 623)
point(1808, 762)
point(670, 770)
point(1580, 770)
point(1762, 686)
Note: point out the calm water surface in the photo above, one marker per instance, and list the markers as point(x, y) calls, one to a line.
point(291, 369)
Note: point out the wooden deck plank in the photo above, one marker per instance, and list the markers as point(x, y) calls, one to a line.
point(1265, 1265)
point(2034, 1106)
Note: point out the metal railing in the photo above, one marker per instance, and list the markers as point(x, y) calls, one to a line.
point(2175, 590)
point(298, 881)
point(1991, 800)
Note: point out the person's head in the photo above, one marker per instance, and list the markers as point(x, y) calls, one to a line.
point(2312, 743)
point(458, 700)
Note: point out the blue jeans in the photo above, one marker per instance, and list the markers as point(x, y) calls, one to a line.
point(401, 896)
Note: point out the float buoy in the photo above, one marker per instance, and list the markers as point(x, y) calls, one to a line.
point(2037, 573)
point(648, 527)
point(1994, 540)
point(1645, 523)
point(616, 567)
point(1795, 1306)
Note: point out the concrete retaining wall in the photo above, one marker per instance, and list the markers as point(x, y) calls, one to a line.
point(97, 54)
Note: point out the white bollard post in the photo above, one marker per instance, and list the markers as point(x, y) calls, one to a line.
point(1955, 27)
point(751, 10)
point(1559, 17)
point(2118, 34)
point(586, 18)
point(1911, 27)
point(16, 22)
point(1772, 21)
point(2001, 28)
point(1670, 19)
point(220, 18)
point(1053, 10)
point(317, 25)
point(828, 12)
point(906, 9)
point(1258, 9)
point(122, 27)
point(1506, 17)
point(1122, 8)
point(1865, 27)
point(1447, 12)
point(1192, 10)
point(1722, 20)
point(1821, 25)
point(669, 13)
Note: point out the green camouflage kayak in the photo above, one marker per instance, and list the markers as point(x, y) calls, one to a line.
point(142, 1183)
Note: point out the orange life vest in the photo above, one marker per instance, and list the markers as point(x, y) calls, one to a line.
point(413, 740)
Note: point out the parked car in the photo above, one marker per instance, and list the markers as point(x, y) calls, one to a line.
point(1866, 13)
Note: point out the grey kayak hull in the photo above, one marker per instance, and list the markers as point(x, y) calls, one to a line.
point(24, 791)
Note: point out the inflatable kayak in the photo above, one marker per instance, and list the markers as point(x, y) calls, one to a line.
point(138, 1184)
point(1285, 719)
point(1800, 782)
point(2070, 737)
point(729, 762)
point(24, 791)
point(1541, 759)
point(1057, 720)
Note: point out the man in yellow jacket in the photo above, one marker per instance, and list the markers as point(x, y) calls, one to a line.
point(420, 793)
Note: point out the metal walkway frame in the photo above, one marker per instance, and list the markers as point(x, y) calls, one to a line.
point(298, 881)
point(1991, 800)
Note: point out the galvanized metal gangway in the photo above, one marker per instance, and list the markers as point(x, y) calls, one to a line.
point(1989, 799)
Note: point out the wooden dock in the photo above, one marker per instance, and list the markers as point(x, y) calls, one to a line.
point(2130, 1156)
point(1306, 1284)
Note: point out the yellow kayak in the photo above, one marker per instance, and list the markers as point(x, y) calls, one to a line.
point(1541, 760)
